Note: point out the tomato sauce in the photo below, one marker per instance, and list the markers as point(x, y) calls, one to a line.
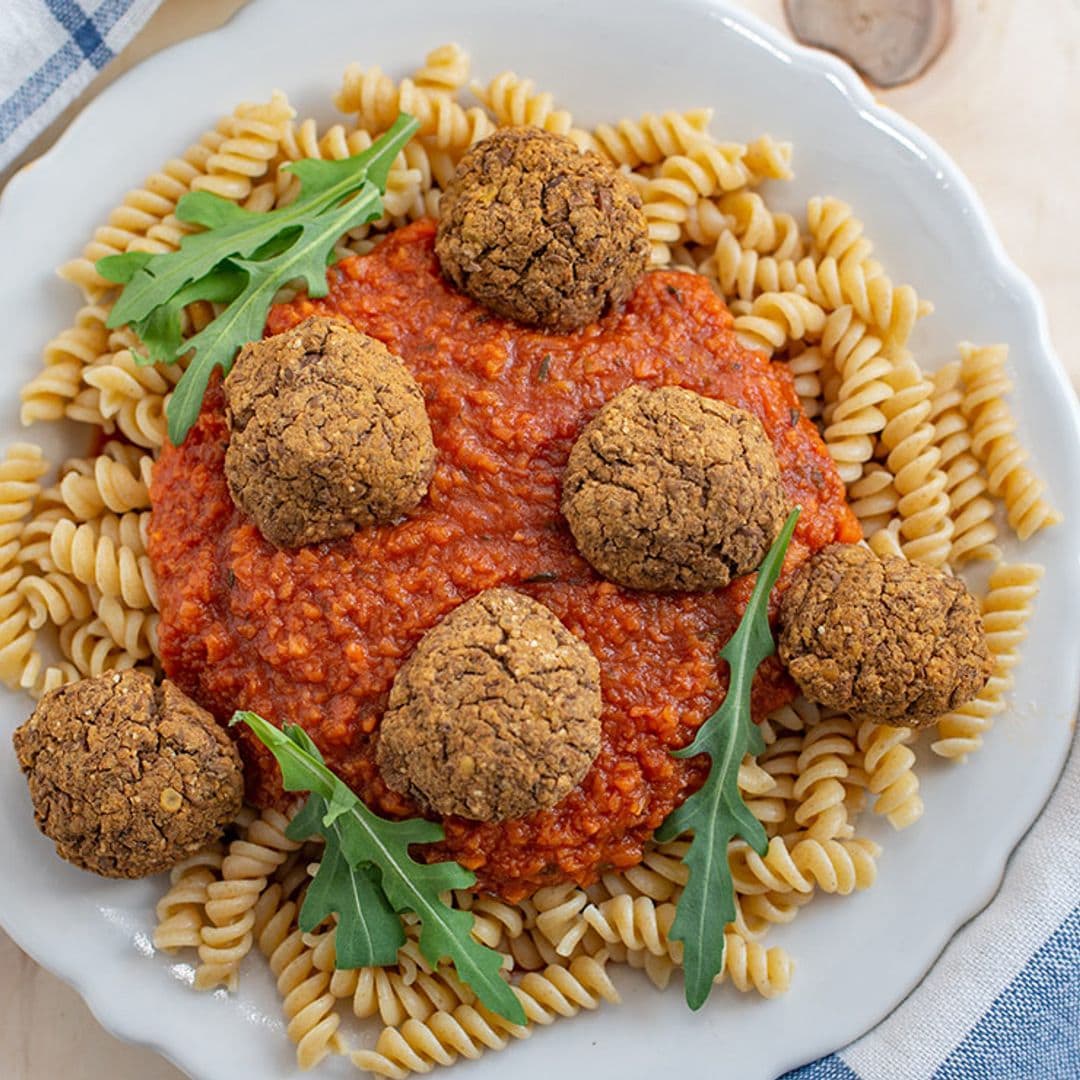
point(315, 636)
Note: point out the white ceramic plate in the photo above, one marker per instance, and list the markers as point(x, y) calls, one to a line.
point(857, 956)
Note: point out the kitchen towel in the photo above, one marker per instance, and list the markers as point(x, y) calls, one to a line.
point(49, 52)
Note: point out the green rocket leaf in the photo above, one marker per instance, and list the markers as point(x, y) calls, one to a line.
point(241, 259)
point(715, 814)
point(369, 847)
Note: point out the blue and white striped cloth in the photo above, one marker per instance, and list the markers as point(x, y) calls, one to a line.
point(1003, 1001)
point(49, 52)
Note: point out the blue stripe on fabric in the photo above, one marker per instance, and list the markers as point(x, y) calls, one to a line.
point(107, 15)
point(1032, 1031)
point(82, 30)
point(37, 89)
point(826, 1068)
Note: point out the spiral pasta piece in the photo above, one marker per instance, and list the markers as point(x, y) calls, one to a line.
point(181, 911)
point(834, 230)
point(38, 678)
point(136, 632)
point(834, 866)
point(418, 1046)
point(767, 159)
point(93, 558)
point(47, 395)
point(411, 992)
point(873, 498)
point(758, 228)
point(889, 764)
point(760, 911)
point(118, 479)
point(638, 923)
point(926, 527)
point(516, 101)
point(558, 918)
point(855, 417)
point(706, 169)
point(312, 1019)
point(21, 471)
point(91, 649)
point(20, 489)
point(778, 318)
point(822, 766)
point(371, 95)
point(230, 904)
point(54, 598)
point(994, 442)
point(1005, 609)
point(445, 69)
point(120, 379)
point(742, 273)
point(751, 966)
point(974, 530)
point(444, 124)
point(651, 138)
point(253, 136)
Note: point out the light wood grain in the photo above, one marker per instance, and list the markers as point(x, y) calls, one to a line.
point(1001, 100)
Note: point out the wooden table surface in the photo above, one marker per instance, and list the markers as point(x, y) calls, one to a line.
point(1001, 100)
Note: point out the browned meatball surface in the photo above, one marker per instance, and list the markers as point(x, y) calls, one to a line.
point(128, 778)
point(882, 639)
point(328, 432)
point(496, 713)
point(540, 232)
point(668, 490)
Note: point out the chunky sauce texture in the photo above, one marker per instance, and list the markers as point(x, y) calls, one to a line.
point(315, 636)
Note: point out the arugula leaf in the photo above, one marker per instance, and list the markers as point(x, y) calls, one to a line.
point(122, 268)
point(716, 813)
point(161, 332)
point(366, 843)
point(369, 932)
point(241, 259)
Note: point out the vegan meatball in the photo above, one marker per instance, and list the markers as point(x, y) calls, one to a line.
point(540, 232)
point(328, 432)
point(669, 490)
point(882, 639)
point(496, 713)
point(128, 778)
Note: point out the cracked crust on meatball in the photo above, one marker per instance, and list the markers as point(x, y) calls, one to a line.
point(882, 639)
point(667, 490)
point(540, 232)
point(496, 714)
point(128, 778)
point(328, 433)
